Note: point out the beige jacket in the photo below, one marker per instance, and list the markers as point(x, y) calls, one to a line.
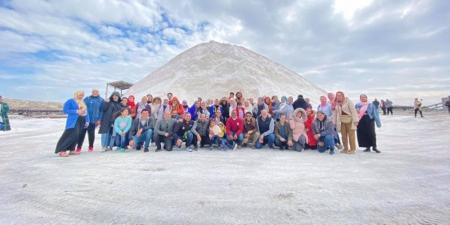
point(349, 108)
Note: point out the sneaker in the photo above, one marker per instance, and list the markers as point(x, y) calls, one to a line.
point(376, 150)
point(367, 150)
point(158, 150)
point(339, 146)
point(189, 149)
point(235, 146)
point(91, 149)
point(331, 151)
point(145, 149)
point(78, 149)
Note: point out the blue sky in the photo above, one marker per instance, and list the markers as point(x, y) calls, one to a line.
point(396, 49)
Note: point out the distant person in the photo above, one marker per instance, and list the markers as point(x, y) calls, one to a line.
point(202, 130)
point(217, 130)
point(234, 131)
point(265, 126)
point(283, 133)
point(110, 109)
point(231, 96)
point(214, 108)
point(383, 106)
point(141, 131)
point(268, 102)
point(185, 105)
point(297, 123)
point(176, 110)
point(418, 107)
point(447, 103)
point(239, 97)
point(332, 100)
point(324, 132)
point(376, 103)
point(368, 116)
point(164, 132)
point(284, 108)
point(143, 105)
point(193, 110)
point(251, 133)
point(184, 132)
point(300, 103)
point(346, 119)
point(122, 125)
point(260, 105)
point(77, 119)
point(225, 106)
point(310, 117)
point(202, 110)
point(325, 106)
point(149, 98)
point(132, 106)
point(4, 120)
point(248, 107)
point(94, 104)
point(275, 105)
point(157, 109)
point(169, 98)
point(389, 107)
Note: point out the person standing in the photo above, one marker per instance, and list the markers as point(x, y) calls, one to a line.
point(346, 120)
point(110, 110)
point(389, 107)
point(383, 106)
point(325, 107)
point(368, 116)
point(4, 120)
point(447, 103)
point(94, 104)
point(143, 104)
point(376, 103)
point(77, 119)
point(300, 103)
point(418, 107)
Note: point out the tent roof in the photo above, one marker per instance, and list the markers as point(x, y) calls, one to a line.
point(122, 85)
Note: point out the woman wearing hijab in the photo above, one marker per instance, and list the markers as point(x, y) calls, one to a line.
point(368, 117)
point(284, 108)
point(346, 120)
point(77, 119)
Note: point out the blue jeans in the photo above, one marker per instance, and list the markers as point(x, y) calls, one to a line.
point(216, 140)
point(299, 145)
point(230, 143)
point(145, 138)
point(191, 139)
point(121, 140)
point(268, 139)
point(328, 141)
point(105, 139)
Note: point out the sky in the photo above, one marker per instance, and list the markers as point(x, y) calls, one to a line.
point(386, 49)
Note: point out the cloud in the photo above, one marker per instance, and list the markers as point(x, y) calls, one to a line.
point(380, 47)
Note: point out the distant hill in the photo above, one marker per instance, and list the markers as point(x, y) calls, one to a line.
point(15, 104)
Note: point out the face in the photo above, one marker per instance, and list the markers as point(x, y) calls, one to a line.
point(283, 118)
point(291, 100)
point(231, 95)
point(167, 115)
point(264, 114)
point(169, 95)
point(203, 105)
point(124, 113)
point(197, 104)
point(95, 93)
point(216, 102)
point(218, 114)
point(144, 99)
point(187, 117)
point(144, 115)
point(202, 117)
point(157, 101)
point(124, 101)
point(248, 116)
point(339, 97)
point(299, 114)
point(233, 114)
point(308, 110)
point(247, 104)
point(115, 98)
point(363, 98)
point(323, 100)
point(321, 116)
point(80, 95)
point(131, 98)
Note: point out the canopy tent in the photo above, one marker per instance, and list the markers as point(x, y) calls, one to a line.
point(117, 85)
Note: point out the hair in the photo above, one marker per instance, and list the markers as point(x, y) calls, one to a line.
point(124, 109)
point(80, 102)
point(145, 110)
point(157, 99)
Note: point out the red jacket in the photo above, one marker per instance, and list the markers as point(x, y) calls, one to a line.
point(310, 132)
point(235, 126)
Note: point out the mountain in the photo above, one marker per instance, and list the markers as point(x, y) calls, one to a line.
point(212, 70)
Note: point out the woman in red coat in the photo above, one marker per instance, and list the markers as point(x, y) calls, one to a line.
point(312, 142)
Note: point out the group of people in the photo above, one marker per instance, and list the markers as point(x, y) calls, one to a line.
point(228, 123)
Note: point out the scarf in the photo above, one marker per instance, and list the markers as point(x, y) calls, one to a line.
point(363, 109)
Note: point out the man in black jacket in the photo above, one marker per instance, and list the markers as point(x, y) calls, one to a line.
point(141, 131)
point(300, 103)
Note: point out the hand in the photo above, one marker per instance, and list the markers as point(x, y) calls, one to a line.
point(290, 143)
point(261, 139)
point(97, 123)
point(317, 136)
point(282, 139)
point(235, 137)
point(86, 125)
point(166, 134)
point(356, 123)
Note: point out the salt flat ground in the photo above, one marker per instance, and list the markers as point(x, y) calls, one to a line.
point(408, 183)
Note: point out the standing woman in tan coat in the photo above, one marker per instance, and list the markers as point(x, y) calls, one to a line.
point(346, 119)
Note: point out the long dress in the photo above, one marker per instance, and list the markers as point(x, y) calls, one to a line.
point(366, 132)
point(69, 138)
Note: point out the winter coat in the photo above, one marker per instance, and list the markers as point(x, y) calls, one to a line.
point(286, 126)
point(110, 110)
point(250, 125)
point(300, 103)
point(193, 111)
point(285, 109)
point(265, 127)
point(298, 125)
point(213, 109)
point(136, 125)
point(309, 131)
point(70, 108)
point(202, 111)
point(324, 128)
point(234, 126)
point(201, 127)
point(349, 108)
point(122, 124)
point(4, 110)
point(94, 106)
point(165, 126)
point(372, 112)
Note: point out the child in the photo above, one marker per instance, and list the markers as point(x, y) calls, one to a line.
point(122, 125)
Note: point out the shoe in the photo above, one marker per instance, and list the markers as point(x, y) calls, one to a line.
point(91, 149)
point(331, 151)
point(145, 149)
point(63, 154)
point(73, 153)
point(234, 146)
point(339, 146)
point(344, 151)
point(158, 150)
point(78, 149)
point(376, 150)
point(367, 150)
point(189, 149)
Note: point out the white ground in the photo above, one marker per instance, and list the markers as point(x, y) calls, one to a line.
point(408, 183)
